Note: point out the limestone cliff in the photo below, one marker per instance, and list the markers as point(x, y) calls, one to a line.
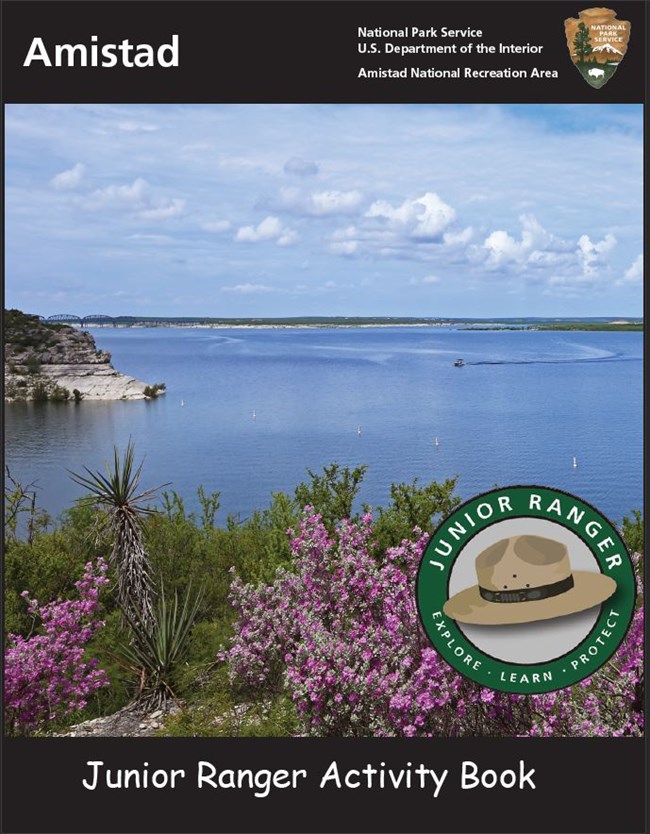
point(48, 361)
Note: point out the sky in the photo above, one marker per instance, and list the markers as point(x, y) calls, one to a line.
point(306, 210)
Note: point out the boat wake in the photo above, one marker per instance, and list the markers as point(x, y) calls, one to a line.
point(614, 357)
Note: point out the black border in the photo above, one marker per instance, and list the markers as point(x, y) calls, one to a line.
point(225, 43)
point(48, 760)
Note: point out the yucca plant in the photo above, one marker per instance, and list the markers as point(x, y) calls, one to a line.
point(124, 510)
point(155, 649)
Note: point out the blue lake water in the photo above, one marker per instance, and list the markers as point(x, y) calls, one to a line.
point(522, 407)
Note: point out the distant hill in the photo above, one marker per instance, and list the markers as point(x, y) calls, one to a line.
point(28, 339)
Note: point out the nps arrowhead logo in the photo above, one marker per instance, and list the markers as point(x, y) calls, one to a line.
point(597, 44)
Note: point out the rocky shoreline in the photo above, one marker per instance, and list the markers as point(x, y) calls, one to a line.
point(62, 363)
point(95, 382)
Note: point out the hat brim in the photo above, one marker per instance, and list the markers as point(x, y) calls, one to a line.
point(589, 589)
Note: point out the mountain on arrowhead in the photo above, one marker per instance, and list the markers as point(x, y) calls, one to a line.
point(607, 47)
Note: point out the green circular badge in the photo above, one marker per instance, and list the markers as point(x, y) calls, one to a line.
point(526, 589)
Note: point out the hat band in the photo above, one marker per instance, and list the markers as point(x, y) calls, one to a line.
point(528, 594)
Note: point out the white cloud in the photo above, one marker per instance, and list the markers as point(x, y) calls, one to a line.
point(67, 180)
point(136, 127)
point(427, 279)
point(246, 165)
point(248, 288)
point(268, 229)
point(565, 268)
point(220, 160)
point(413, 230)
point(344, 247)
point(136, 193)
point(345, 241)
point(461, 238)
point(216, 226)
point(416, 229)
point(568, 286)
point(174, 208)
point(634, 273)
point(569, 281)
point(427, 217)
point(151, 238)
point(300, 167)
point(591, 254)
point(502, 249)
point(319, 203)
point(335, 202)
point(271, 228)
point(137, 197)
point(288, 237)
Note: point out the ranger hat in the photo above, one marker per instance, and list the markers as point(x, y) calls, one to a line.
point(527, 578)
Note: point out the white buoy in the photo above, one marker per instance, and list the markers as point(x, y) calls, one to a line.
point(437, 442)
point(182, 402)
point(358, 429)
point(254, 415)
point(575, 462)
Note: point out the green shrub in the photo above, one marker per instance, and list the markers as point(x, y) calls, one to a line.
point(155, 650)
point(188, 550)
point(633, 531)
point(206, 641)
point(214, 711)
point(48, 568)
point(59, 394)
point(182, 554)
point(152, 391)
point(40, 392)
point(103, 647)
point(84, 526)
point(413, 506)
point(333, 493)
point(206, 706)
point(32, 364)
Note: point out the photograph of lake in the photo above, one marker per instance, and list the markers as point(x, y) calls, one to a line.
point(259, 356)
point(248, 410)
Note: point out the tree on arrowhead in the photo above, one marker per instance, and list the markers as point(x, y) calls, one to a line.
point(582, 43)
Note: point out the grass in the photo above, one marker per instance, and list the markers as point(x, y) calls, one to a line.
point(213, 712)
point(631, 326)
point(594, 326)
